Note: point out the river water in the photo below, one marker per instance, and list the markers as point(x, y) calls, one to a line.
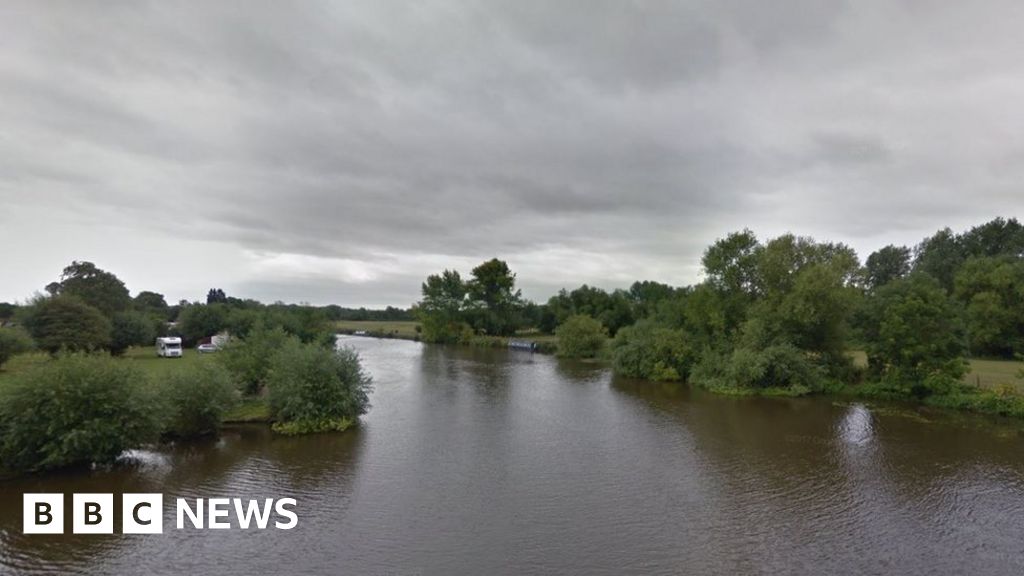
point(498, 462)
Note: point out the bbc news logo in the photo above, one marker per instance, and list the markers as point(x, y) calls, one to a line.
point(144, 514)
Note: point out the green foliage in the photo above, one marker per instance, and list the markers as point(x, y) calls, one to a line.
point(13, 341)
point(992, 288)
point(198, 321)
point(98, 288)
point(249, 359)
point(775, 366)
point(314, 389)
point(7, 311)
point(885, 265)
point(488, 303)
point(197, 397)
point(131, 329)
point(581, 336)
point(494, 303)
point(613, 310)
point(913, 333)
point(65, 322)
point(76, 410)
point(647, 350)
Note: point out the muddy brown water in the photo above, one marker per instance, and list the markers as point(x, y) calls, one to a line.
point(499, 462)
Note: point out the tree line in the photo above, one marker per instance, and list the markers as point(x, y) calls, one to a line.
point(89, 308)
point(778, 314)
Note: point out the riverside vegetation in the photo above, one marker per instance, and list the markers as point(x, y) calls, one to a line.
point(778, 317)
point(75, 394)
point(781, 317)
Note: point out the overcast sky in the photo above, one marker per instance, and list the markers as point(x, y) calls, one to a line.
point(340, 152)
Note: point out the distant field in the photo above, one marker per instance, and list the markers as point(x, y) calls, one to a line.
point(407, 329)
point(984, 373)
point(400, 328)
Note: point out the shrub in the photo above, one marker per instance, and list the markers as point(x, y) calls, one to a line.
point(77, 409)
point(13, 341)
point(197, 399)
point(314, 389)
point(249, 359)
point(581, 336)
point(777, 366)
point(647, 350)
point(64, 322)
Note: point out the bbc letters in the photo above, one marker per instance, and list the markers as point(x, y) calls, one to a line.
point(144, 514)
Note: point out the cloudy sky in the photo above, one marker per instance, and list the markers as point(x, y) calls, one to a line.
point(338, 152)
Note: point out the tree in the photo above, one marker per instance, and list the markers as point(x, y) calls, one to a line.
point(885, 265)
point(913, 332)
point(647, 296)
point(152, 303)
point(97, 288)
point(998, 237)
point(992, 289)
point(731, 266)
point(65, 322)
point(581, 336)
point(940, 256)
point(198, 321)
point(216, 296)
point(131, 329)
point(494, 301)
point(441, 309)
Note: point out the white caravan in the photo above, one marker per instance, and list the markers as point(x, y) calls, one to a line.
point(169, 347)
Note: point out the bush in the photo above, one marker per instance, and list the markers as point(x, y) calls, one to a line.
point(647, 350)
point(315, 389)
point(78, 409)
point(580, 336)
point(778, 366)
point(64, 322)
point(249, 359)
point(197, 399)
point(131, 329)
point(13, 341)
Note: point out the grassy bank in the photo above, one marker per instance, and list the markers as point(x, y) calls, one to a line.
point(406, 330)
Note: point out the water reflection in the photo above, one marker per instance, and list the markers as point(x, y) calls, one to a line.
point(856, 426)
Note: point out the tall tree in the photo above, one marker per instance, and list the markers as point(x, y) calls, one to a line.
point(216, 296)
point(885, 265)
point(94, 286)
point(441, 309)
point(494, 299)
point(940, 256)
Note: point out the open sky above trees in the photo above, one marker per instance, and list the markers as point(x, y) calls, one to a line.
point(341, 152)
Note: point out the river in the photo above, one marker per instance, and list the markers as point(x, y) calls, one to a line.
point(498, 462)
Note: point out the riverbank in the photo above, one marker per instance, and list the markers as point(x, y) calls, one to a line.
point(407, 330)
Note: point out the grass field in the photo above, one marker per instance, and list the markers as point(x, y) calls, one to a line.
point(144, 358)
point(983, 373)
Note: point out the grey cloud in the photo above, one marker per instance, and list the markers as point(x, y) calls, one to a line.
point(584, 141)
